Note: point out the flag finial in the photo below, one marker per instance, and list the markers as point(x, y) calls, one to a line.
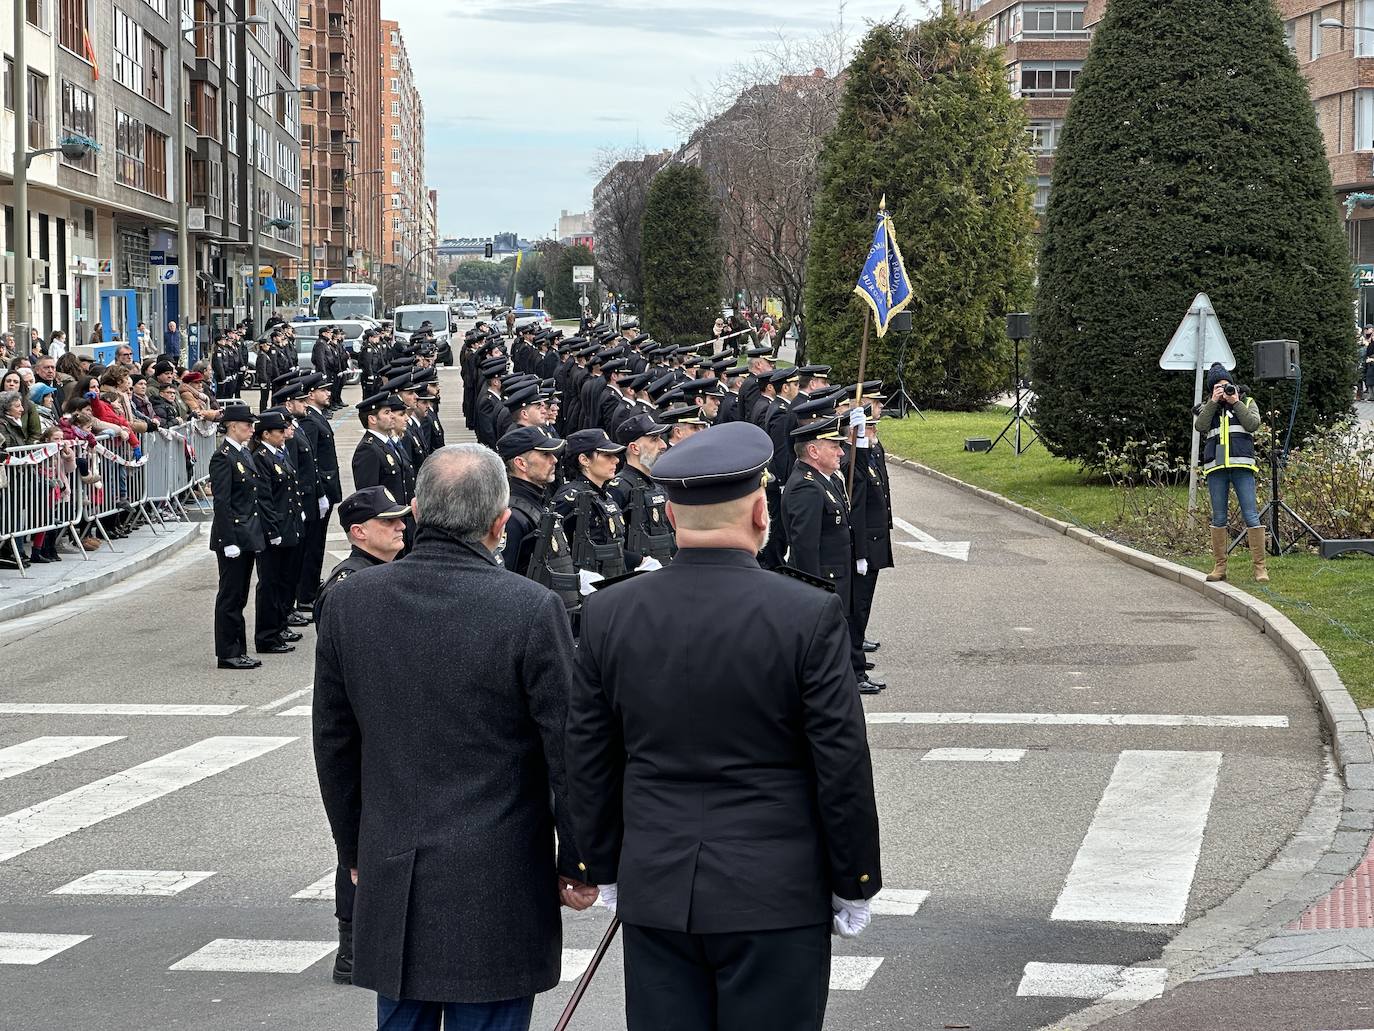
point(882, 204)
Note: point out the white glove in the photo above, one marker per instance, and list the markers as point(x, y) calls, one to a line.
point(275, 542)
point(862, 566)
point(587, 578)
point(848, 919)
point(856, 418)
point(232, 551)
point(324, 507)
point(648, 565)
point(609, 895)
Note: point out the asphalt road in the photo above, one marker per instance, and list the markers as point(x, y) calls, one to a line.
point(1132, 755)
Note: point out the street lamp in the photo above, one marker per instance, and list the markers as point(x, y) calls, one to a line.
point(186, 261)
point(257, 215)
point(359, 175)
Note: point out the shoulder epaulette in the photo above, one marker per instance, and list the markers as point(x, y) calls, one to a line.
point(806, 578)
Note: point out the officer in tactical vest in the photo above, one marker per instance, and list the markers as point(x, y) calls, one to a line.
point(591, 517)
point(648, 534)
point(535, 544)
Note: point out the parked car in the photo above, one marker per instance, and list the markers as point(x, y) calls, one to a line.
point(537, 317)
point(468, 310)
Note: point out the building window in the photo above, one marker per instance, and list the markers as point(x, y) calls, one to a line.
point(395, 132)
point(284, 50)
point(1316, 35)
point(395, 39)
point(1364, 41)
point(128, 52)
point(202, 111)
point(395, 85)
point(129, 138)
point(1044, 135)
point(36, 11)
point(395, 109)
point(1290, 34)
point(395, 155)
point(1364, 119)
point(155, 156)
point(395, 178)
point(160, 6)
point(1052, 21)
point(155, 71)
point(38, 109)
point(233, 123)
point(73, 19)
point(1042, 193)
point(1046, 78)
point(78, 118)
point(207, 36)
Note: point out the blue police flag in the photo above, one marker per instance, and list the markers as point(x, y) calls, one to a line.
point(883, 282)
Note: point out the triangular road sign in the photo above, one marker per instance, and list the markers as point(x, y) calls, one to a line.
point(1181, 353)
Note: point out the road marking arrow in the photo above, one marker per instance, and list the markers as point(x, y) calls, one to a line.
point(957, 550)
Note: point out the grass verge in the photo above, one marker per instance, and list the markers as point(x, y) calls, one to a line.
point(1332, 601)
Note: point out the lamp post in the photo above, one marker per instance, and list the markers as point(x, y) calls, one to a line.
point(359, 175)
point(186, 262)
point(257, 215)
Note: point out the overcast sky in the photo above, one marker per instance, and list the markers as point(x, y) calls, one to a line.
point(520, 95)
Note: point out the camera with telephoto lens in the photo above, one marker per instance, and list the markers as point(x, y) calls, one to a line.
point(1229, 390)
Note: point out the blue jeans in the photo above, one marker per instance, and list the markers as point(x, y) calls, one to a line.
point(1219, 482)
point(413, 1015)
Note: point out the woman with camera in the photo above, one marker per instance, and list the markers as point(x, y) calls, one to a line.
point(1228, 420)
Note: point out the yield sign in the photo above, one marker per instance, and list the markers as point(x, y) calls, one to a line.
point(957, 550)
point(1200, 328)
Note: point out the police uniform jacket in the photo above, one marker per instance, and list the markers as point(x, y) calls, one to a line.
point(729, 404)
point(356, 562)
point(607, 520)
point(307, 472)
point(431, 768)
point(488, 407)
point(709, 824)
point(280, 497)
point(237, 520)
point(377, 464)
point(873, 532)
point(815, 514)
point(781, 423)
point(315, 425)
point(645, 505)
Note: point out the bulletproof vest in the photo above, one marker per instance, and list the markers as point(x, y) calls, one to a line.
point(551, 562)
point(647, 530)
point(600, 544)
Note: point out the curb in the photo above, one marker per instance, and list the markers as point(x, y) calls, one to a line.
point(60, 593)
point(1350, 736)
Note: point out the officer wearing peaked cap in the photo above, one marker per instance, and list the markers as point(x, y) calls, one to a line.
point(236, 534)
point(731, 847)
point(283, 521)
point(591, 517)
point(648, 531)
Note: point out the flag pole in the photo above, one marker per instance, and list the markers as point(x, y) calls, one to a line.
point(858, 402)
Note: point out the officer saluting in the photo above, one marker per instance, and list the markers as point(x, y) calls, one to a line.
point(236, 535)
point(729, 846)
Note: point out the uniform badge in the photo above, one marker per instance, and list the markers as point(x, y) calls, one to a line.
point(279, 472)
point(242, 470)
point(553, 545)
point(391, 460)
point(654, 515)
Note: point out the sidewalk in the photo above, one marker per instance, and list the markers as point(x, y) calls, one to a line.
point(53, 583)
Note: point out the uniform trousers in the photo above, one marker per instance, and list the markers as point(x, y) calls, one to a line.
point(414, 1015)
point(864, 587)
point(336, 390)
point(740, 981)
point(264, 395)
point(774, 552)
point(312, 562)
point(345, 894)
point(274, 583)
point(231, 632)
point(295, 563)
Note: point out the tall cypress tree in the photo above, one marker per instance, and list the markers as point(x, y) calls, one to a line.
point(927, 118)
point(681, 252)
point(1190, 161)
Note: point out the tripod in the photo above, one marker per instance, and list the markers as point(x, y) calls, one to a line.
point(1019, 413)
point(901, 401)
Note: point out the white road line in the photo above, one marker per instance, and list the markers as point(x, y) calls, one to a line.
point(974, 755)
point(46, 822)
point(321, 889)
point(284, 699)
point(1078, 719)
point(29, 755)
point(31, 949)
point(897, 901)
point(113, 709)
point(1092, 981)
point(296, 710)
point(134, 882)
point(575, 963)
point(852, 973)
point(1137, 861)
point(256, 956)
point(925, 542)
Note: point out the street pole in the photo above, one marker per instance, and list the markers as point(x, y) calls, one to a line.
point(257, 218)
point(19, 320)
point(1197, 437)
point(186, 264)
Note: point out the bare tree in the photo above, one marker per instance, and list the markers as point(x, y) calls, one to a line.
point(757, 133)
point(624, 175)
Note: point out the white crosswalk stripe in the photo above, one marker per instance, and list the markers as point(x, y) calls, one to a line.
point(321, 889)
point(256, 956)
point(974, 755)
point(31, 949)
point(1100, 982)
point(37, 825)
point(113, 709)
point(134, 882)
point(29, 755)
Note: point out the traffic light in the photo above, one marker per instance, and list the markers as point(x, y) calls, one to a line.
point(488, 251)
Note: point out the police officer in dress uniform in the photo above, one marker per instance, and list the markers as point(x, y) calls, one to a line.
point(731, 847)
point(283, 519)
point(872, 534)
point(236, 535)
point(815, 512)
point(379, 460)
point(314, 424)
point(308, 557)
point(591, 518)
point(648, 533)
point(535, 544)
point(375, 524)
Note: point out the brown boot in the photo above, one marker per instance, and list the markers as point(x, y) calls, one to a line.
point(1255, 535)
point(1221, 540)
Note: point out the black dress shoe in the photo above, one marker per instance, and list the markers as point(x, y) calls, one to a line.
point(239, 662)
point(296, 619)
point(871, 646)
point(289, 636)
point(247, 658)
point(37, 560)
point(275, 648)
point(867, 686)
point(869, 665)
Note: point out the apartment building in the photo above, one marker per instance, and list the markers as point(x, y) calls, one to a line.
point(407, 234)
point(341, 133)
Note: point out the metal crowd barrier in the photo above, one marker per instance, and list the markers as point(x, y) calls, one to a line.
point(41, 492)
point(122, 483)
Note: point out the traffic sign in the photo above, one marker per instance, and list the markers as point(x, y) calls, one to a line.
point(303, 289)
point(1200, 329)
point(584, 274)
point(584, 300)
point(245, 270)
point(168, 275)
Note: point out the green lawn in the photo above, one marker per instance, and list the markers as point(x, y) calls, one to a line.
point(1333, 602)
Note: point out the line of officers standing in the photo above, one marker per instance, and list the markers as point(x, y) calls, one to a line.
point(581, 422)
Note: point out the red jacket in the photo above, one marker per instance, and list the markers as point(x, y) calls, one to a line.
point(106, 412)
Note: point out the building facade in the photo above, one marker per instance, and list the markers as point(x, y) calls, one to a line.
point(575, 230)
point(341, 150)
point(103, 227)
point(407, 238)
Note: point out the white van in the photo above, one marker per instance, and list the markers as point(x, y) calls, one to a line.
point(406, 320)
